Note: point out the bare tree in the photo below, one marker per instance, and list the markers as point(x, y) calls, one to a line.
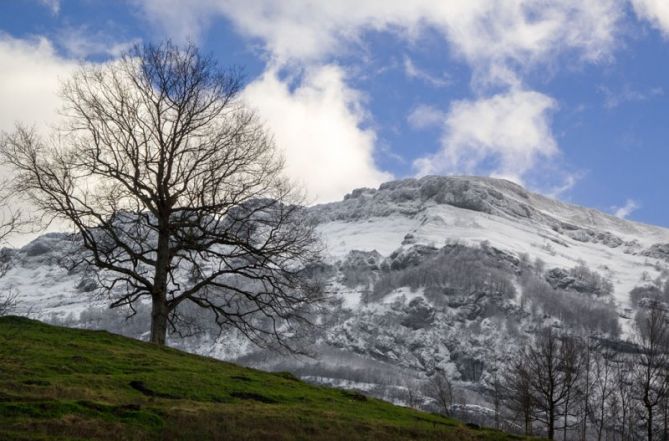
point(175, 191)
point(553, 368)
point(440, 389)
point(623, 373)
point(653, 361)
point(412, 394)
point(7, 303)
point(11, 221)
point(572, 364)
point(602, 368)
point(518, 391)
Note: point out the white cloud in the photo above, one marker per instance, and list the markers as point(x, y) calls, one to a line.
point(613, 99)
point(53, 5)
point(31, 71)
point(318, 125)
point(483, 32)
point(565, 182)
point(623, 212)
point(412, 71)
point(504, 136)
point(655, 11)
point(81, 42)
point(424, 116)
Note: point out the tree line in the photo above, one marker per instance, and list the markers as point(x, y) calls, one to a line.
point(574, 387)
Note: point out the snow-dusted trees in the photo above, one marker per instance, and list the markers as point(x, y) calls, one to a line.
point(175, 190)
point(581, 311)
point(453, 270)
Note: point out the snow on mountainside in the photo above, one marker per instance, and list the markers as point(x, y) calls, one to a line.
point(433, 210)
point(438, 273)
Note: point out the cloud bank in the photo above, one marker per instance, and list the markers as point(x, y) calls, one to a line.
point(318, 125)
point(504, 130)
point(31, 71)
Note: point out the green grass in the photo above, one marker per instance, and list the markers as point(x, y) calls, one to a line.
point(68, 384)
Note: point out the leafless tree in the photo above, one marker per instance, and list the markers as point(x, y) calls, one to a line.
point(623, 373)
point(652, 362)
point(518, 391)
point(440, 389)
point(175, 192)
point(7, 303)
point(412, 394)
point(11, 221)
point(553, 368)
point(602, 387)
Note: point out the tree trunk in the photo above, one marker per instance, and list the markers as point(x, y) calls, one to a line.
point(160, 309)
point(159, 313)
point(650, 423)
point(551, 422)
point(566, 417)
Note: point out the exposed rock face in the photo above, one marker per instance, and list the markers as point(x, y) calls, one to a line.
point(419, 314)
point(408, 196)
point(658, 251)
point(370, 260)
point(406, 257)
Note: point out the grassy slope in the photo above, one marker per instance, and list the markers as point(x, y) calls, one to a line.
point(67, 384)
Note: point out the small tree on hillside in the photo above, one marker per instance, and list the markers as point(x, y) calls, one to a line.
point(176, 192)
point(440, 389)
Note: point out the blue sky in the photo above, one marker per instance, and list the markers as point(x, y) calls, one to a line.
point(569, 98)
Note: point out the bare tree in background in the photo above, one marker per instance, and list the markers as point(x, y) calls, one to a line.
point(602, 387)
point(412, 394)
point(517, 389)
point(176, 191)
point(553, 368)
point(440, 389)
point(623, 381)
point(653, 362)
point(11, 222)
point(7, 303)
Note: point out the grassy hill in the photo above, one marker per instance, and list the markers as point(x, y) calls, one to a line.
point(67, 384)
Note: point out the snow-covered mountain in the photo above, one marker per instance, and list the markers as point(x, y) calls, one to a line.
point(446, 273)
point(471, 210)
